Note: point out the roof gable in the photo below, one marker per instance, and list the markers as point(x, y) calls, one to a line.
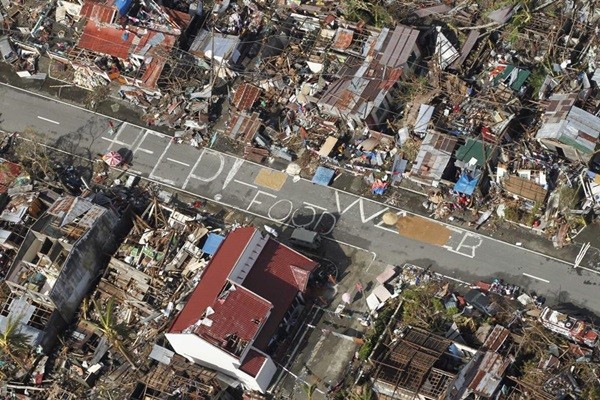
point(257, 305)
point(300, 277)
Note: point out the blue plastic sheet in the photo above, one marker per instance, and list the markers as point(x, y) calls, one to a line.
point(212, 243)
point(323, 176)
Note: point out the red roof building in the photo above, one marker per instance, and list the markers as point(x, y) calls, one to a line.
point(147, 43)
point(106, 40)
point(239, 307)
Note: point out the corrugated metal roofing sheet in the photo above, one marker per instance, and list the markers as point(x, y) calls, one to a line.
point(433, 157)
point(490, 374)
point(99, 13)
point(426, 11)
point(245, 96)
point(107, 40)
point(343, 39)
point(467, 46)
point(425, 114)
point(399, 48)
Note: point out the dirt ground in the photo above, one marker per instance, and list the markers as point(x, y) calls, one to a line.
point(270, 179)
point(423, 230)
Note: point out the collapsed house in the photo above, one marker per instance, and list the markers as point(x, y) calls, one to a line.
point(174, 374)
point(361, 92)
point(433, 163)
point(248, 298)
point(56, 266)
point(415, 365)
point(483, 375)
point(568, 130)
point(124, 43)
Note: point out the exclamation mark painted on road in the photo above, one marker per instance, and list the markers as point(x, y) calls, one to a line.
point(236, 166)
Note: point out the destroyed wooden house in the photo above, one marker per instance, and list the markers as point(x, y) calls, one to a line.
point(568, 130)
point(529, 184)
point(132, 289)
point(176, 374)
point(118, 42)
point(57, 264)
point(415, 366)
point(18, 215)
point(487, 115)
point(361, 92)
point(433, 163)
point(483, 375)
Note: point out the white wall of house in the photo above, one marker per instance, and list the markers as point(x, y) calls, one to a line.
point(199, 351)
point(265, 375)
point(248, 257)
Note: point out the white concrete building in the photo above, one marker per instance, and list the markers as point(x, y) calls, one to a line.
point(243, 307)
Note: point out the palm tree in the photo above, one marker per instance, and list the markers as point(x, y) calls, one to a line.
point(13, 342)
point(115, 332)
point(309, 389)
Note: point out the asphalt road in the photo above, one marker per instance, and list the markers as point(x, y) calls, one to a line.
point(267, 193)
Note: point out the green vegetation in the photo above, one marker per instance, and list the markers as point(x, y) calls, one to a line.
point(15, 345)
point(370, 12)
point(537, 78)
point(421, 308)
point(116, 333)
point(375, 333)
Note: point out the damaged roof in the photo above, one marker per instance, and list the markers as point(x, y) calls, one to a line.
point(524, 188)
point(100, 13)
point(243, 127)
point(278, 275)
point(568, 124)
point(408, 365)
point(271, 285)
point(237, 313)
point(362, 86)
point(213, 278)
point(433, 157)
point(107, 40)
point(489, 374)
point(245, 96)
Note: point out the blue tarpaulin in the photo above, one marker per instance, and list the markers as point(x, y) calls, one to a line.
point(323, 176)
point(466, 184)
point(212, 243)
point(123, 6)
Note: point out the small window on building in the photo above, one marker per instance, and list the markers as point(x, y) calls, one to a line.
point(40, 317)
point(6, 306)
